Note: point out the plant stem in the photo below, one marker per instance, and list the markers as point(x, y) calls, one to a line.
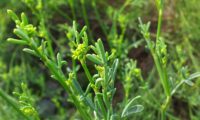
point(87, 72)
point(74, 68)
point(164, 108)
point(161, 68)
point(159, 24)
point(106, 99)
point(101, 105)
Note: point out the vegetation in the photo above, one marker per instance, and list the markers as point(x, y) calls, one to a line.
point(90, 59)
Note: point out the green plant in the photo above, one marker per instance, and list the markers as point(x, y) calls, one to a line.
point(11, 102)
point(26, 103)
point(159, 53)
point(75, 75)
point(131, 75)
point(102, 83)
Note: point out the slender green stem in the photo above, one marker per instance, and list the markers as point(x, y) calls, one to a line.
point(74, 68)
point(160, 11)
point(161, 68)
point(161, 73)
point(101, 105)
point(105, 87)
point(164, 108)
point(87, 72)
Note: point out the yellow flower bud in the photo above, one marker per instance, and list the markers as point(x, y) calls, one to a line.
point(80, 52)
point(28, 110)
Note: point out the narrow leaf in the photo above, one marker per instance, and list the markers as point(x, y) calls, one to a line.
point(101, 49)
point(114, 68)
point(83, 31)
point(131, 110)
point(30, 51)
point(94, 49)
point(100, 103)
point(190, 83)
point(98, 82)
point(85, 38)
point(59, 60)
point(12, 15)
point(24, 19)
point(21, 34)
point(128, 106)
point(94, 59)
point(17, 41)
point(194, 75)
